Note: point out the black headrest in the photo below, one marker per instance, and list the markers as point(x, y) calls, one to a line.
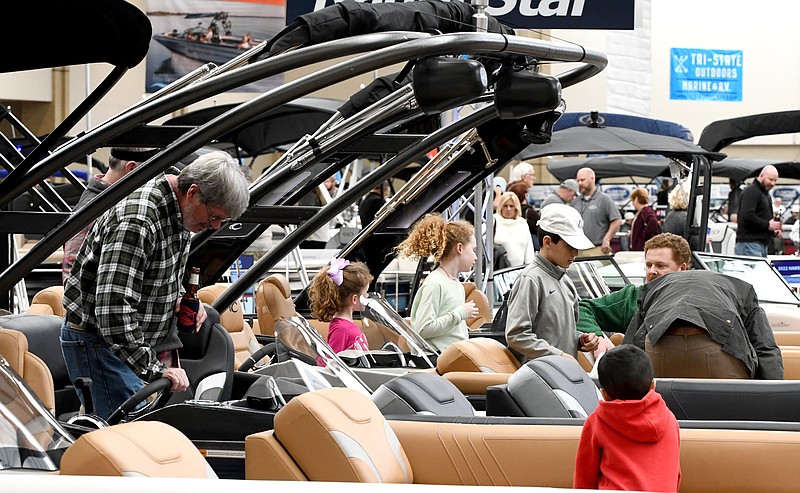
point(422, 393)
point(195, 344)
point(553, 386)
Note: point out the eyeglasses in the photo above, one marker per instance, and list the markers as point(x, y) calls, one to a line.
point(212, 218)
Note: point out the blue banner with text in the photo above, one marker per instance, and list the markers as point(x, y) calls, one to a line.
point(706, 75)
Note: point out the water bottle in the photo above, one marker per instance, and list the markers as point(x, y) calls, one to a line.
point(190, 304)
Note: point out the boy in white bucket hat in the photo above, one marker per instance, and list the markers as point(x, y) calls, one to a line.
point(543, 305)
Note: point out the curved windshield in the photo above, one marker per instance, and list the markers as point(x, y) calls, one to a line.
point(301, 341)
point(30, 437)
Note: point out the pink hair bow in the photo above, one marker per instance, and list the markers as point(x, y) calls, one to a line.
point(337, 267)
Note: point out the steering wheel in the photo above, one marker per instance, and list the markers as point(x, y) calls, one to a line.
point(161, 385)
point(265, 350)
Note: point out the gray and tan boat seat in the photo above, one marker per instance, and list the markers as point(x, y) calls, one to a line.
point(472, 293)
point(43, 339)
point(548, 386)
point(476, 363)
point(334, 434)
point(32, 369)
point(137, 449)
point(421, 393)
point(48, 301)
point(232, 318)
point(273, 302)
point(354, 443)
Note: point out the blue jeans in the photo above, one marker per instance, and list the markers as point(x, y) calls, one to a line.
point(87, 355)
point(751, 248)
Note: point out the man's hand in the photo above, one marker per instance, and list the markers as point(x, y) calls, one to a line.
point(177, 376)
point(201, 317)
point(775, 227)
point(606, 246)
point(588, 342)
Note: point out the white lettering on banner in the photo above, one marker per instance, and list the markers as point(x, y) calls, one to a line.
point(704, 85)
point(544, 8)
point(528, 8)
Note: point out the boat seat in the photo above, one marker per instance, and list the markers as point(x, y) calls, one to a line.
point(472, 293)
point(782, 318)
point(136, 449)
point(548, 386)
point(352, 442)
point(273, 302)
point(731, 399)
point(43, 339)
point(32, 369)
point(787, 337)
point(476, 363)
point(421, 393)
point(48, 301)
point(791, 362)
point(232, 318)
point(207, 358)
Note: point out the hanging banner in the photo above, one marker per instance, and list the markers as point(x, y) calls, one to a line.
point(706, 75)
point(525, 14)
point(187, 34)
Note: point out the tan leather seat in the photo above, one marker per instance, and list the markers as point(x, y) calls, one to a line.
point(477, 354)
point(273, 302)
point(472, 293)
point(334, 434)
point(32, 369)
point(474, 364)
point(232, 318)
point(140, 448)
point(48, 301)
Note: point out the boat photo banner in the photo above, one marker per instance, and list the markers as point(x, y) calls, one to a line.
point(187, 34)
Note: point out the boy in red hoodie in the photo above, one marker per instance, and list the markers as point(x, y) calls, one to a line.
point(631, 441)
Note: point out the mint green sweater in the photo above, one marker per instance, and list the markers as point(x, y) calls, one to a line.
point(610, 313)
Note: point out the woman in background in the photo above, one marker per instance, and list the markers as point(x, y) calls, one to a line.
point(675, 222)
point(645, 223)
point(511, 231)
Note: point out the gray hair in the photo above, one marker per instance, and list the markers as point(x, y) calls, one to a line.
point(221, 182)
point(518, 171)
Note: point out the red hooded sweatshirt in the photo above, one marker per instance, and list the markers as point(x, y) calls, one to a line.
point(630, 445)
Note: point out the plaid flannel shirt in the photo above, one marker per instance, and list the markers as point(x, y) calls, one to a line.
point(127, 276)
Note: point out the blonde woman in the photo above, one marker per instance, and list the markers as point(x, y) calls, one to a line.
point(439, 313)
point(511, 230)
point(675, 222)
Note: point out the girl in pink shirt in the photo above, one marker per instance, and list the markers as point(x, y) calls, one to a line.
point(334, 294)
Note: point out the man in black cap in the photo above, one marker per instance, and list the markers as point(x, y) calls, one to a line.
point(122, 161)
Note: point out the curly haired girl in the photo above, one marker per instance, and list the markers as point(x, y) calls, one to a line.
point(438, 312)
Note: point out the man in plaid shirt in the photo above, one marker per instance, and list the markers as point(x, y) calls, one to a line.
point(122, 292)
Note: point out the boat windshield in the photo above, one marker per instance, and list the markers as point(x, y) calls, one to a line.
point(302, 341)
point(30, 437)
point(378, 311)
point(769, 284)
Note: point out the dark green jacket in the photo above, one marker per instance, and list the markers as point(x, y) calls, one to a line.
point(610, 313)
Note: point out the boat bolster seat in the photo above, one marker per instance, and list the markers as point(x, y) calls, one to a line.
point(136, 449)
point(548, 386)
point(273, 302)
point(350, 442)
point(472, 293)
point(421, 393)
point(32, 369)
point(232, 318)
point(48, 301)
